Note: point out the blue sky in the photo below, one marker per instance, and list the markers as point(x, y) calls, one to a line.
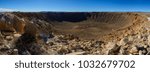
point(76, 5)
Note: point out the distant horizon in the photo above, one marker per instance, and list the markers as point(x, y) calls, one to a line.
point(74, 11)
point(75, 5)
point(70, 11)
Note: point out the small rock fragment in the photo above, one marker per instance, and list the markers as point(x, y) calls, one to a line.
point(15, 52)
point(149, 39)
point(110, 45)
point(123, 41)
point(9, 38)
point(113, 48)
point(17, 35)
point(140, 52)
point(134, 50)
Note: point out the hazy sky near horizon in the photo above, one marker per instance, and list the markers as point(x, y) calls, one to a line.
point(76, 5)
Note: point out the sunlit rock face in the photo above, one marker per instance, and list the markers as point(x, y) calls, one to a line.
point(148, 18)
point(11, 22)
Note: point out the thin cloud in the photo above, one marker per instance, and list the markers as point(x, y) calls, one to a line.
point(6, 10)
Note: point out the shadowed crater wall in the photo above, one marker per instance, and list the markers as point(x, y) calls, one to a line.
point(87, 25)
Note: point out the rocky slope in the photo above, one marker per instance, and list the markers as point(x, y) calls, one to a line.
point(52, 33)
